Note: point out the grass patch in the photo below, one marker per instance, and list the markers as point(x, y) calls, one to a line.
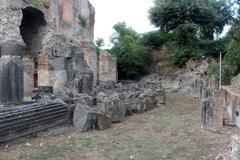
point(53, 151)
point(60, 149)
point(87, 142)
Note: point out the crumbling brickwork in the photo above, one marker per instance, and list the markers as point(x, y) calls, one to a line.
point(51, 61)
point(107, 67)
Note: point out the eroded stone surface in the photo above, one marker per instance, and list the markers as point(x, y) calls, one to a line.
point(11, 79)
point(107, 67)
point(113, 107)
point(49, 34)
point(234, 150)
point(65, 65)
point(84, 118)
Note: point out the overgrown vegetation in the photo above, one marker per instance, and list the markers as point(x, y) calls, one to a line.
point(155, 40)
point(133, 57)
point(189, 30)
point(99, 43)
point(231, 60)
point(194, 23)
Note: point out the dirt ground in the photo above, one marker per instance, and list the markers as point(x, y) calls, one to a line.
point(172, 132)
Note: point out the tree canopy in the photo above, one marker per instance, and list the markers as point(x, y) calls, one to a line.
point(202, 17)
point(99, 43)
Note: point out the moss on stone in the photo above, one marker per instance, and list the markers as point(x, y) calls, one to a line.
point(44, 3)
point(82, 20)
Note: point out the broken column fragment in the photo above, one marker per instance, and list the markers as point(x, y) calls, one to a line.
point(25, 119)
point(11, 79)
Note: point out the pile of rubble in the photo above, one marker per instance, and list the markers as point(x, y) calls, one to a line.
point(112, 102)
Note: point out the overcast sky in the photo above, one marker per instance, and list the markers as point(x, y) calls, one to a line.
point(109, 12)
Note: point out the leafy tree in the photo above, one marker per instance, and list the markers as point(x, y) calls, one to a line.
point(232, 57)
point(99, 43)
point(132, 56)
point(205, 16)
point(121, 30)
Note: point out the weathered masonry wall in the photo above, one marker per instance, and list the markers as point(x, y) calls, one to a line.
point(56, 39)
point(232, 104)
point(107, 67)
point(91, 58)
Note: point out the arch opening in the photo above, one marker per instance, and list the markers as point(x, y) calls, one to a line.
point(33, 28)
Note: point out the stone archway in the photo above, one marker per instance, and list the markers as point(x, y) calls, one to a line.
point(33, 28)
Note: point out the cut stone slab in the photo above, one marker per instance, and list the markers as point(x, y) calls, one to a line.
point(103, 121)
point(112, 107)
point(84, 118)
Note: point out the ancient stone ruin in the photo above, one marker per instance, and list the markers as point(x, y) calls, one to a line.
point(207, 90)
point(50, 71)
point(107, 67)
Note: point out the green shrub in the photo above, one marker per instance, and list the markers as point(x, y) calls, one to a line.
point(133, 59)
point(155, 40)
point(199, 49)
point(180, 55)
point(232, 57)
point(214, 47)
point(227, 73)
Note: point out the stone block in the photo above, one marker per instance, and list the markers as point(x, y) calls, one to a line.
point(12, 48)
point(11, 79)
point(112, 107)
point(103, 121)
point(84, 118)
